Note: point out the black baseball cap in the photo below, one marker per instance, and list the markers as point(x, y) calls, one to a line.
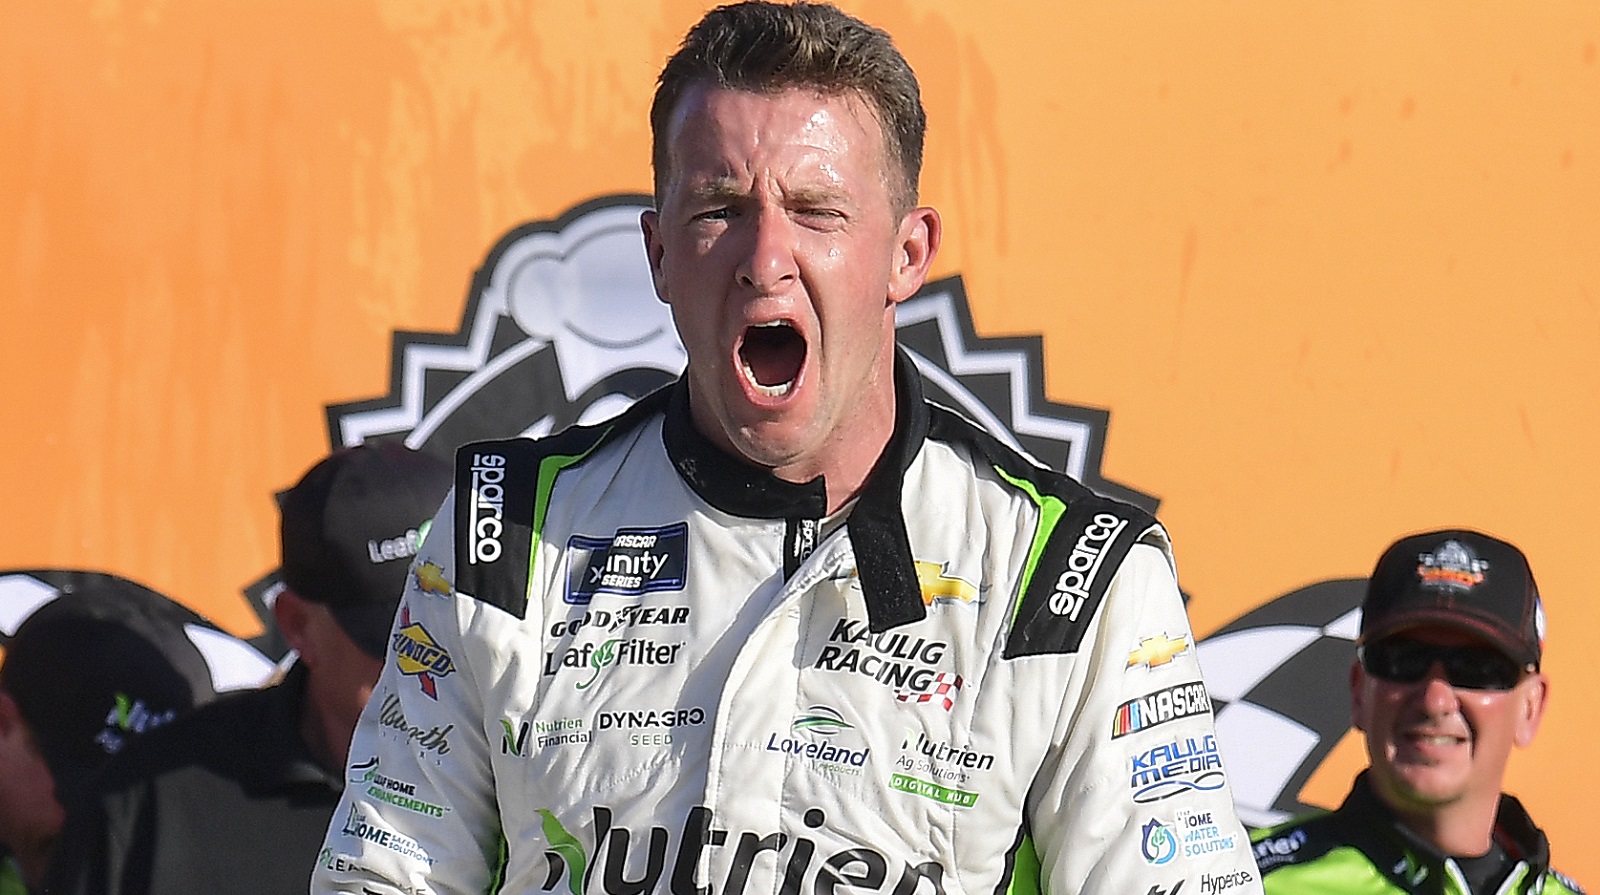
point(1459, 579)
point(102, 662)
point(349, 528)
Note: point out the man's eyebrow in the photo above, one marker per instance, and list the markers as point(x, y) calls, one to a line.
point(720, 189)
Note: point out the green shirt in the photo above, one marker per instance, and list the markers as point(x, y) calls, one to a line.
point(1362, 849)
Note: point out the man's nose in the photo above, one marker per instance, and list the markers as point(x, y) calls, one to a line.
point(1438, 694)
point(769, 265)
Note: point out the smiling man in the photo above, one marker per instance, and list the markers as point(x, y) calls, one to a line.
point(785, 626)
point(1445, 683)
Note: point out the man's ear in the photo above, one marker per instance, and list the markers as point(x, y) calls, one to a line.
point(916, 245)
point(293, 614)
point(11, 720)
point(1357, 697)
point(650, 225)
point(1532, 695)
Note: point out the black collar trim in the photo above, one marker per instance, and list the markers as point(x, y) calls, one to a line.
point(1514, 830)
point(876, 526)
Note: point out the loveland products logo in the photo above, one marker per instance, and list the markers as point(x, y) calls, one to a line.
point(812, 737)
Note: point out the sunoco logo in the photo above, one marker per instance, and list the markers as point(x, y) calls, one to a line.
point(1083, 564)
point(633, 561)
point(418, 655)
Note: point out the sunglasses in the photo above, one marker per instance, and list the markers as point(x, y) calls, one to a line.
point(1406, 661)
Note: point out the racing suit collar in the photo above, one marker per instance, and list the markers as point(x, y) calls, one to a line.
point(1514, 830)
point(876, 526)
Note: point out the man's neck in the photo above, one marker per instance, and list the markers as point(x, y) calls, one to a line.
point(1461, 829)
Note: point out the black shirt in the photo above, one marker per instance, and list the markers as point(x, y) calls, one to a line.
point(227, 799)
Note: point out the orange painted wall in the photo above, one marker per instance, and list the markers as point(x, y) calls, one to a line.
point(1333, 267)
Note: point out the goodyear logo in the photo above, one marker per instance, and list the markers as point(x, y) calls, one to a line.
point(418, 655)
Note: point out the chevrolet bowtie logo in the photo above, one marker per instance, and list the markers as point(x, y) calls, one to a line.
point(936, 585)
point(1153, 652)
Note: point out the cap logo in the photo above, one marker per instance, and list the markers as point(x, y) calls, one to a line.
point(1452, 567)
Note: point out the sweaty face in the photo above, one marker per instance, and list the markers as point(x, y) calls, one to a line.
point(779, 251)
point(1433, 746)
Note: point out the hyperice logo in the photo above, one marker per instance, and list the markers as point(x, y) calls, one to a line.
point(1159, 844)
point(417, 654)
point(1175, 768)
point(632, 561)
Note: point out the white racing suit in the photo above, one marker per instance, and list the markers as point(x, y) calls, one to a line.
point(626, 663)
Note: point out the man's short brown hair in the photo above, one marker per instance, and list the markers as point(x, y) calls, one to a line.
point(764, 47)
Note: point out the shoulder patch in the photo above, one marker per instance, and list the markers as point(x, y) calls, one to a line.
point(1069, 573)
point(495, 486)
point(502, 493)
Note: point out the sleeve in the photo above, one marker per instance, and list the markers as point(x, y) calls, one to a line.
point(419, 812)
point(1132, 795)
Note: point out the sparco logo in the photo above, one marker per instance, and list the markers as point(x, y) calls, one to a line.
point(1169, 704)
point(606, 865)
point(1072, 588)
point(487, 516)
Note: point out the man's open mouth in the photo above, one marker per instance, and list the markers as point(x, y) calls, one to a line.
point(771, 355)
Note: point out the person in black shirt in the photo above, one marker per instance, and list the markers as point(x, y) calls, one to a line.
point(98, 662)
point(237, 797)
point(1445, 684)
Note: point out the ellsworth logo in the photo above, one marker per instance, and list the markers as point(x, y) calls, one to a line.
point(417, 654)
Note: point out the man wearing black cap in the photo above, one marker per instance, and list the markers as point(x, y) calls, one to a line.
point(237, 798)
point(103, 661)
point(1445, 682)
